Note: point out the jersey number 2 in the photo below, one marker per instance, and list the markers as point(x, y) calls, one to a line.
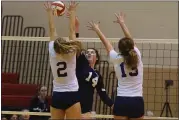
point(62, 67)
point(135, 73)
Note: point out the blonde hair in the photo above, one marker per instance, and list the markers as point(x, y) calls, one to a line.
point(62, 46)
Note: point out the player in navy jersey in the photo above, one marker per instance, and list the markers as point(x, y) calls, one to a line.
point(129, 103)
point(62, 53)
point(90, 79)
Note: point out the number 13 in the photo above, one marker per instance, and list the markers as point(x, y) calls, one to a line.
point(130, 73)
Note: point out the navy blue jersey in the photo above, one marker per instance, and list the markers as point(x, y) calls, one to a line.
point(38, 106)
point(89, 79)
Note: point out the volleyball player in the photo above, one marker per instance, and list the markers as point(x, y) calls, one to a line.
point(89, 78)
point(128, 67)
point(65, 97)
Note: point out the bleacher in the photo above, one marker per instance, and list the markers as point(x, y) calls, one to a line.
point(15, 95)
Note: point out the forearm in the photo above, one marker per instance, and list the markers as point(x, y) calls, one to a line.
point(104, 97)
point(125, 30)
point(72, 35)
point(106, 43)
point(51, 26)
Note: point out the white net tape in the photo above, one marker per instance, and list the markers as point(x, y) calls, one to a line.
point(92, 115)
point(174, 41)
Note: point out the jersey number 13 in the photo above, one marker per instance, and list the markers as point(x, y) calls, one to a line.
point(134, 73)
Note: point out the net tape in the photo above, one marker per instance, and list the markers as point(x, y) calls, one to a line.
point(92, 115)
point(20, 38)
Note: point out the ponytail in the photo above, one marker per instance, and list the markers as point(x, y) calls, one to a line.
point(131, 60)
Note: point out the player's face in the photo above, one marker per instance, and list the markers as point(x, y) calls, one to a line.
point(91, 55)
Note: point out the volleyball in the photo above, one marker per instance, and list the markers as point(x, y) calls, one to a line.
point(58, 7)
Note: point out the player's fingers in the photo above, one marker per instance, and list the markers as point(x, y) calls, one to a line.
point(73, 2)
point(69, 3)
point(115, 21)
point(45, 6)
point(89, 27)
point(67, 8)
point(76, 4)
point(124, 15)
point(116, 15)
point(90, 23)
point(48, 4)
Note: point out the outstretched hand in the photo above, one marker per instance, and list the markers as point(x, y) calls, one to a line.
point(72, 6)
point(49, 9)
point(120, 17)
point(93, 26)
point(47, 6)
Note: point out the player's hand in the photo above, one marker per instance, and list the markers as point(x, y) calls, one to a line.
point(72, 6)
point(112, 107)
point(120, 17)
point(47, 6)
point(83, 52)
point(93, 26)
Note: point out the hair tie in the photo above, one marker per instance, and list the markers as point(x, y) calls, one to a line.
point(132, 53)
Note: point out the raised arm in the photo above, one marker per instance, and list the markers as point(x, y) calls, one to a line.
point(120, 20)
point(52, 31)
point(72, 15)
point(95, 27)
point(77, 24)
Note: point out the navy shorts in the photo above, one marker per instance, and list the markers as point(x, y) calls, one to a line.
point(64, 100)
point(132, 107)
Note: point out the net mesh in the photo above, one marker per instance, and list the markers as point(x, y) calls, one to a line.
point(29, 57)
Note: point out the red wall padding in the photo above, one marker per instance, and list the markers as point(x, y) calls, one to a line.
point(19, 89)
point(10, 78)
point(16, 101)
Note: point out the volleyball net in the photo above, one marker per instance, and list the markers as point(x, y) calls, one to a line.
point(29, 58)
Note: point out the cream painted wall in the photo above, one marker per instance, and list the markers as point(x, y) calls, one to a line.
point(155, 20)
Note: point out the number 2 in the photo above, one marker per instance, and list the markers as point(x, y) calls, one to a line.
point(130, 73)
point(61, 68)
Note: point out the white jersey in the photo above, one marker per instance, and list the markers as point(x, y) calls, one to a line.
point(129, 81)
point(63, 71)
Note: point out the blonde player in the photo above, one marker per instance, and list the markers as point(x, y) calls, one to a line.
point(128, 66)
point(65, 97)
point(89, 78)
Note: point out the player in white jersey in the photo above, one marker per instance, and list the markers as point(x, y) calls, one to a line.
point(65, 96)
point(129, 103)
